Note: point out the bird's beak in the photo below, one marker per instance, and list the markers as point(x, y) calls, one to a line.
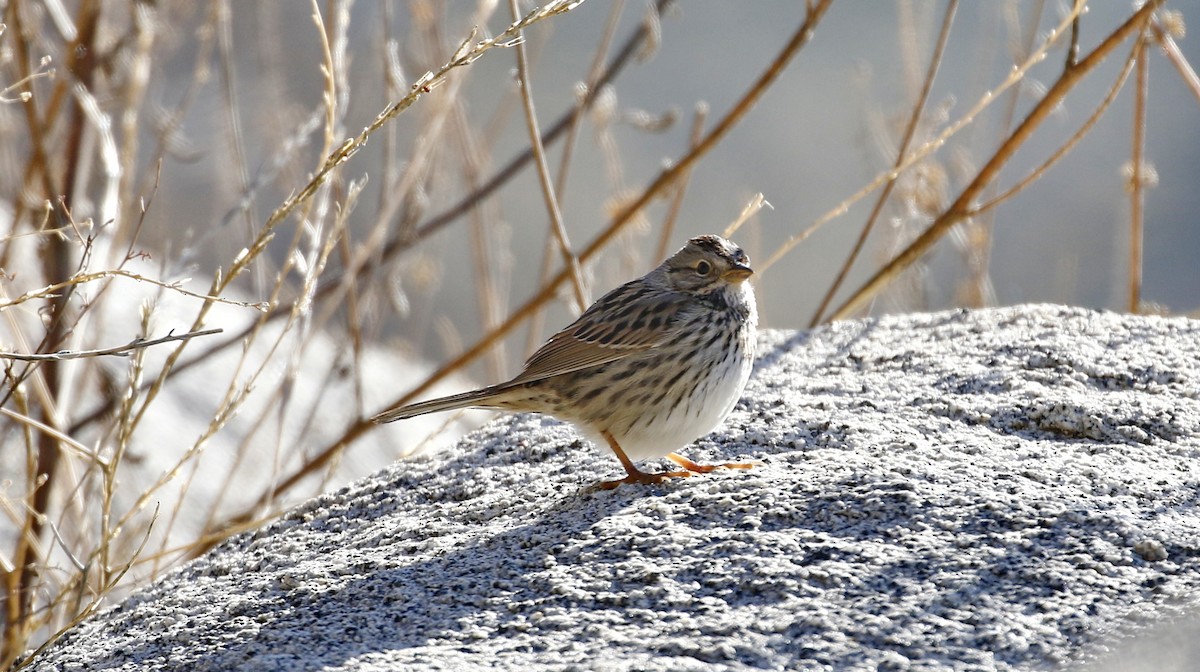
point(737, 273)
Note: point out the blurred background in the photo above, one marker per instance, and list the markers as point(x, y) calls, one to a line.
point(161, 171)
point(829, 125)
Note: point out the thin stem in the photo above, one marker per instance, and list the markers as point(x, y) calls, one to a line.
point(935, 61)
point(668, 229)
point(1071, 142)
point(1016, 75)
point(628, 51)
point(1137, 181)
point(961, 208)
point(120, 350)
point(1177, 59)
point(976, 290)
point(543, 170)
point(56, 263)
point(337, 287)
point(533, 336)
point(50, 291)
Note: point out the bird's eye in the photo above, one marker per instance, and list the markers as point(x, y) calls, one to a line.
point(703, 267)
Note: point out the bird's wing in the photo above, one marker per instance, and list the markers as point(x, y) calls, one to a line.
point(628, 320)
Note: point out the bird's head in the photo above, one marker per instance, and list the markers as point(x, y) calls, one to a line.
point(707, 263)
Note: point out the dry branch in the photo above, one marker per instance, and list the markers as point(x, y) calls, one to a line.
point(962, 207)
point(118, 351)
point(935, 62)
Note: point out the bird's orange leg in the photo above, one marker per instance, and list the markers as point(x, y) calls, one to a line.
point(635, 475)
point(705, 468)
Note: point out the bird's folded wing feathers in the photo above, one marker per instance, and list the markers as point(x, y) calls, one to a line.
point(629, 320)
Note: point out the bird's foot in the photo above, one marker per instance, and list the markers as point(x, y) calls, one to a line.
point(706, 468)
point(636, 476)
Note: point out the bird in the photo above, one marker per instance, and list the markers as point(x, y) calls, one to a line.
point(647, 369)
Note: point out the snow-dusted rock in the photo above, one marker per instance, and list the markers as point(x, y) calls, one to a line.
point(1001, 489)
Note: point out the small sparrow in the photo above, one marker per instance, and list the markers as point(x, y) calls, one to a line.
point(650, 367)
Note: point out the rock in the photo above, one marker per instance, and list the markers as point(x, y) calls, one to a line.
point(959, 490)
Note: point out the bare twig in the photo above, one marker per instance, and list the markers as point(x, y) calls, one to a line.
point(533, 334)
point(120, 351)
point(1177, 59)
point(51, 291)
point(466, 54)
point(68, 170)
point(34, 424)
point(1073, 47)
point(976, 290)
point(961, 208)
point(335, 287)
point(96, 602)
point(1071, 142)
point(986, 100)
point(1137, 170)
point(935, 62)
point(236, 165)
point(543, 171)
point(628, 51)
point(757, 202)
point(668, 226)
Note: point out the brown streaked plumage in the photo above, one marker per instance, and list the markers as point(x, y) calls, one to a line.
point(651, 366)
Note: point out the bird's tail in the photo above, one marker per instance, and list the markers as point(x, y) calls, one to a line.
point(475, 398)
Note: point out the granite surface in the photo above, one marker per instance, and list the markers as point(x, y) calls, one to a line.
point(1006, 489)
